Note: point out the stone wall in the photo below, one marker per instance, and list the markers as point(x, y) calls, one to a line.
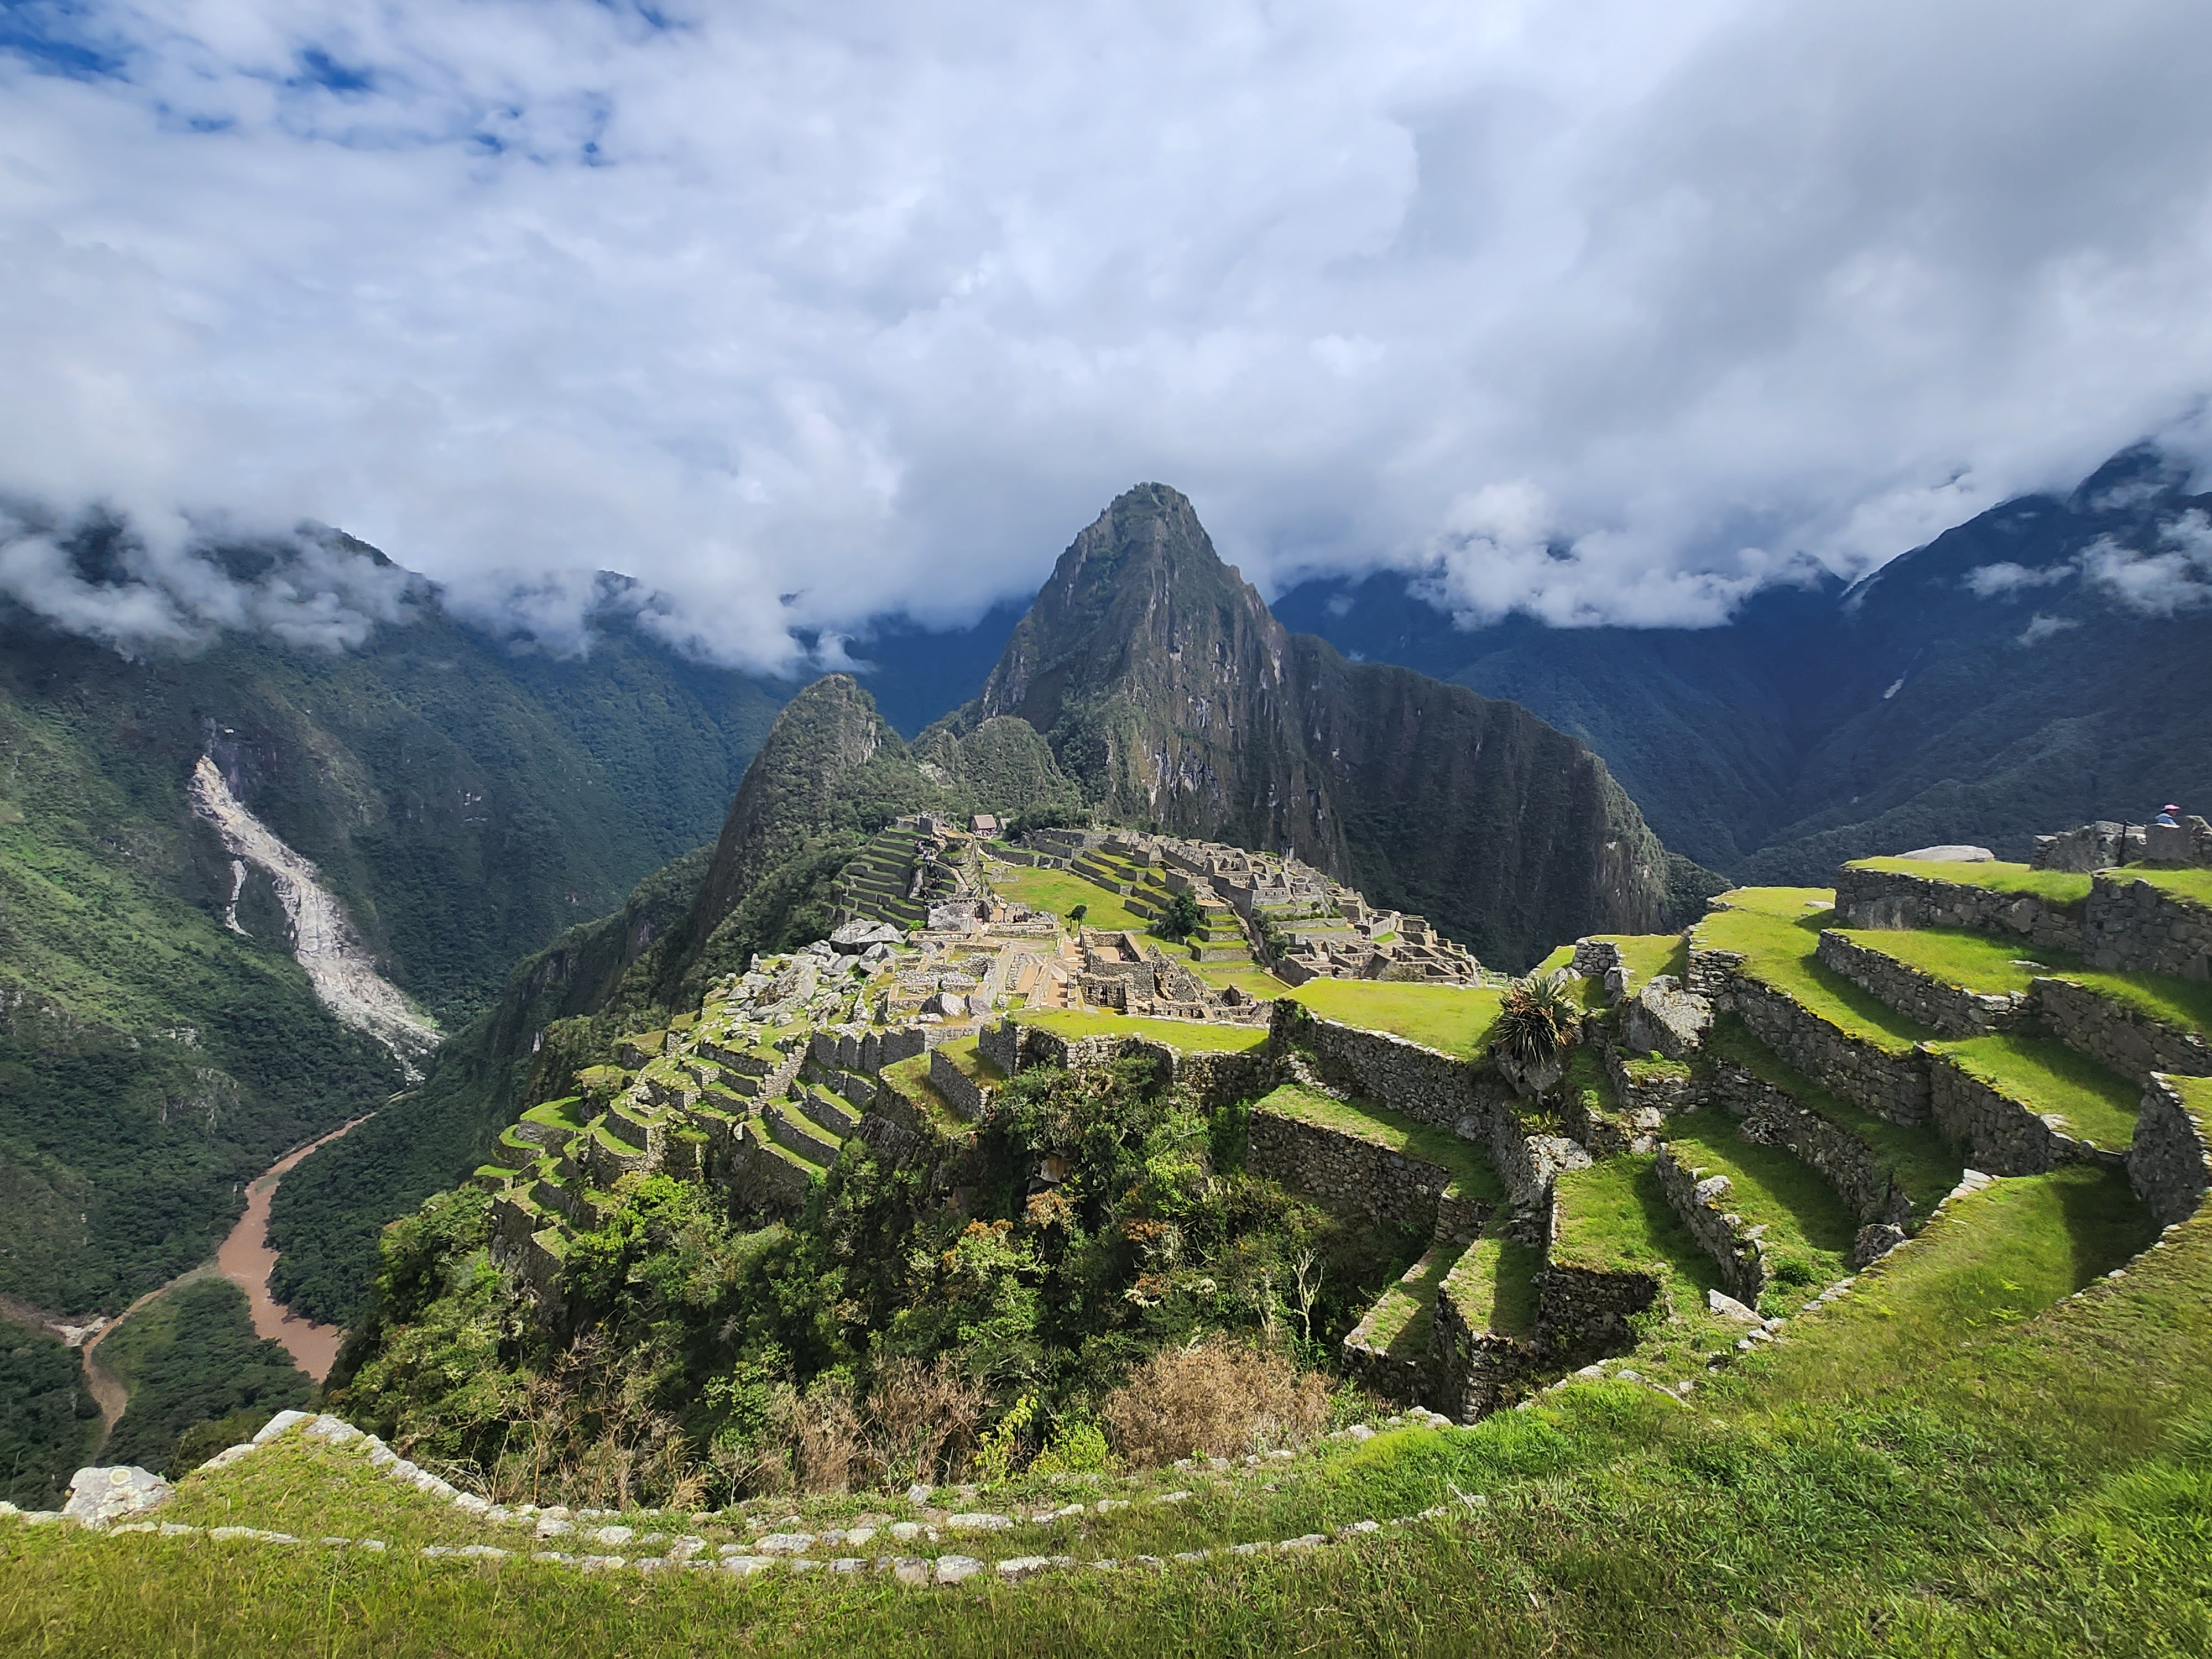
point(1951, 1010)
point(1732, 1242)
point(1889, 898)
point(971, 1099)
point(1773, 1118)
point(1891, 1086)
point(1338, 1164)
point(1595, 957)
point(2170, 1162)
point(1711, 973)
point(2002, 1136)
point(2135, 928)
point(1404, 1075)
point(1583, 1313)
point(1473, 1372)
point(2116, 1036)
point(2097, 846)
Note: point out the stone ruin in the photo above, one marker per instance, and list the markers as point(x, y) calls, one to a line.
point(2106, 846)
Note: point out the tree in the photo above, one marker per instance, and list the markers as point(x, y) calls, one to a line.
point(1182, 918)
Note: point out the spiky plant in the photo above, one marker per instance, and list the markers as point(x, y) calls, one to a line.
point(1537, 1021)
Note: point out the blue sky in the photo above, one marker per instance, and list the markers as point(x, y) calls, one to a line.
point(800, 313)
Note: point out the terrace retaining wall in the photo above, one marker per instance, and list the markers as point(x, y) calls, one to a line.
point(1732, 1242)
point(1475, 1372)
point(2133, 927)
point(1890, 898)
point(1891, 1086)
point(1773, 1117)
point(2002, 1136)
point(1951, 1010)
point(1392, 1187)
point(2116, 1036)
point(2170, 1161)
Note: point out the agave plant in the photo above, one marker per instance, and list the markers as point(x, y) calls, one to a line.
point(1537, 1022)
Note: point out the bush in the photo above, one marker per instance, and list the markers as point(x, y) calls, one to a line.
point(1214, 1398)
point(1537, 1021)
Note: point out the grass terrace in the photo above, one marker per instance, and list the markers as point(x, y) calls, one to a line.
point(1777, 930)
point(1398, 1323)
point(2194, 885)
point(909, 1080)
point(1454, 1019)
point(1917, 1158)
point(1614, 1217)
point(1248, 977)
point(2098, 1106)
point(1190, 1035)
point(1494, 1283)
point(965, 1056)
point(571, 1114)
point(1975, 962)
point(1059, 892)
point(1469, 1165)
point(1810, 1232)
point(2053, 886)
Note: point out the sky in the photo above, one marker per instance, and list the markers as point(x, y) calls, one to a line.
point(801, 315)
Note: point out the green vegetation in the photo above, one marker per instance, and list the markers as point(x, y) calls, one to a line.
point(2193, 885)
point(48, 1417)
point(187, 1357)
point(1777, 930)
point(1452, 1019)
point(2099, 1107)
point(1254, 981)
point(1614, 1218)
point(1060, 893)
point(1923, 1166)
point(1398, 1323)
point(2059, 887)
point(1976, 962)
point(1469, 1168)
point(1494, 1283)
point(1809, 1233)
point(1193, 1037)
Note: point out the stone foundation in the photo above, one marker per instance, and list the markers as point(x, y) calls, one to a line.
point(1337, 1164)
point(1582, 1314)
point(1474, 1372)
point(2170, 1162)
point(1951, 1011)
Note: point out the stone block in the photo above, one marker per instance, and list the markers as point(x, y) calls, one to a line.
point(99, 1497)
point(1663, 1018)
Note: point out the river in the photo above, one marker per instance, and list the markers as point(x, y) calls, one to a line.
point(246, 1260)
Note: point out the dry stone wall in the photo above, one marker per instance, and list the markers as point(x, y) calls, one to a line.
point(1732, 1242)
point(2133, 927)
point(1338, 1164)
point(1772, 1117)
point(1583, 1313)
point(2169, 1161)
point(2002, 1136)
point(1891, 1086)
point(2116, 1036)
point(1474, 1372)
point(1950, 1009)
point(1889, 898)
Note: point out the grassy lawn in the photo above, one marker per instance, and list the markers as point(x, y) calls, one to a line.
point(1494, 1283)
point(1454, 1019)
point(1614, 1217)
point(1976, 962)
point(1190, 1035)
point(1246, 977)
point(2054, 886)
point(1809, 1231)
point(1468, 1163)
point(572, 1113)
point(2098, 1106)
point(1777, 930)
point(1917, 1159)
point(1059, 892)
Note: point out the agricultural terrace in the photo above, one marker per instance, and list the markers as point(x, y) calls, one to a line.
point(1454, 1019)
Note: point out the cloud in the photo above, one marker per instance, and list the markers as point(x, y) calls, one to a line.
point(1603, 312)
point(2175, 575)
point(1992, 580)
point(2040, 627)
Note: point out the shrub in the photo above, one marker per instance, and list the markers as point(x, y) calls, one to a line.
point(924, 1419)
point(1537, 1021)
point(1077, 1446)
point(1217, 1398)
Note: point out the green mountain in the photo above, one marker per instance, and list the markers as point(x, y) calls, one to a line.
point(831, 774)
point(463, 799)
point(1166, 687)
point(2044, 663)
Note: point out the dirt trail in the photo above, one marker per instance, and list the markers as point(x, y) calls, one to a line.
point(339, 963)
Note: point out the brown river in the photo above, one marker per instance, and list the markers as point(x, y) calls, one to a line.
point(246, 1260)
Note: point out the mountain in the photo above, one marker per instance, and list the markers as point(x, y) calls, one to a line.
point(831, 773)
point(1168, 690)
point(461, 797)
point(2044, 663)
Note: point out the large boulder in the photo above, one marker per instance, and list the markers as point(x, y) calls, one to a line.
point(98, 1497)
point(855, 937)
point(1662, 1018)
point(1954, 853)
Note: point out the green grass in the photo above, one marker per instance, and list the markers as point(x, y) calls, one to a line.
point(963, 1055)
point(1973, 962)
point(1059, 891)
point(2098, 1106)
point(1809, 1231)
point(1777, 930)
point(2194, 885)
point(1494, 1283)
point(1451, 1018)
point(1943, 1463)
point(1615, 1216)
point(1917, 1158)
point(1468, 1163)
point(909, 1079)
point(1191, 1037)
point(574, 1113)
point(2054, 886)
point(1400, 1319)
point(1248, 977)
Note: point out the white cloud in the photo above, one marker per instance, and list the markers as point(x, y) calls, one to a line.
point(2177, 576)
point(1993, 581)
point(2040, 627)
point(1603, 312)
